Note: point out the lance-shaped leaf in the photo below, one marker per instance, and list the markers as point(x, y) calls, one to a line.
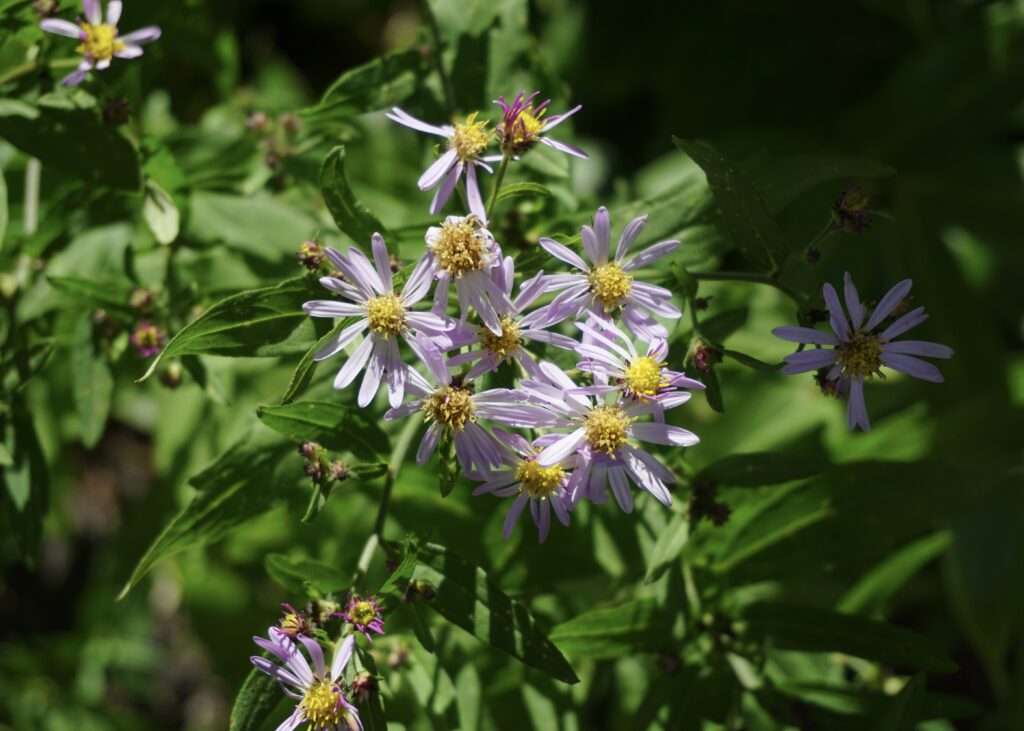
point(378, 84)
point(92, 383)
point(671, 542)
point(337, 427)
point(261, 322)
point(351, 216)
point(303, 374)
point(465, 596)
point(256, 700)
point(615, 631)
point(111, 295)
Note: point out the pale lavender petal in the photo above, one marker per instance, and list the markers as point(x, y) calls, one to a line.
point(130, 52)
point(317, 654)
point(62, 28)
point(441, 294)
point(529, 291)
point(561, 449)
point(373, 374)
point(428, 444)
point(650, 254)
point(103, 64)
point(143, 35)
point(332, 308)
point(558, 502)
point(360, 264)
point(565, 147)
point(429, 354)
point(437, 170)
point(590, 245)
point(853, 303)
point(889, 303)
point(857, 410)
point(673, 436)
point(620, 489)
point(293, 721)
point(355, 363)
point(114, 8)
point(602, 228)
point(407, 120)
point(642, 324)
point(476, 203)
point(556, 119)
point(342, 654)
point(796, 334)
point(513, 515)
point(808, 360)
point(907, 322)
point(837, 318)
point(542, 520)
point(418, 284)
point(382, 261)
point(543, 336)
point(428, 322)
point(345, 337)
point(919, 347)
point(628, 236)
point(93, 12)
point(913, 367)
point(445, 190)
point(77, 76)
point(564, 253)
point(642, 473)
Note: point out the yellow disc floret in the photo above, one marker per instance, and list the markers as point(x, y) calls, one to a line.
point(470, 138)
point(461, 247)
point(610, 285)
point(100, 42)
point(539, 482)
point(861, 356)
point(504, 345)
point(451, 407)
point(644, 378)
point(322, 707)
point(363, 612)
point(523, 131)
point(605, 428)
point(386, 315)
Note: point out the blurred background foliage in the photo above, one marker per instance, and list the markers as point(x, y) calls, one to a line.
point(919, 523)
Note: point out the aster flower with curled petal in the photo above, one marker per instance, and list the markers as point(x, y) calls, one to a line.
point(99, 39)
point(601, 436)
point(321, 700)
point(856, 350)
point(453, 410)
point(386, 315)
point(523, 124)
point(363, 613)
point(517, 329)
point(462, 250)
point(542, 488)
point(607, 285)
point(467, 142)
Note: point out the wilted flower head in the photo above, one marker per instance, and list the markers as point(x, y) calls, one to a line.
point(321, 701)
point(850, 212)
point(523, 124)
point(310, 255)
point(99, 38)
point(364, 614)
point(294, 622)
point(854, 352)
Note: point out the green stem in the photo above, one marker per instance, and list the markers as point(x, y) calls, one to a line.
point(825, 232)
point(446, 83)
point(498, 180)
point(751, 277)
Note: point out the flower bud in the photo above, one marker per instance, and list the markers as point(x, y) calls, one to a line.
point(172, 375)
point(141, 299)
point(310, 255)
point(147, 339)
point(258, 122)
point(850, 212)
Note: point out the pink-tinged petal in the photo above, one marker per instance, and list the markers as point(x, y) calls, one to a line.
point(795, 334)
point(650, 255)
point(418, 284)
point(293, 721)
point(913, 367)
point(808, 360)
point(628, 236)
point(114, 8)
point(513, 515)
point(129, 52)
point(407, 120)
point(564, 253)
point(853, 303)
point(561, 449)
point(437, 170)
point(62, 28)
point(316, 653)
point(373, 374)
point(603, 231)
point(888, 303)
point(345, 337)
point(673, 436)
point(93, 12)
point(565, 147)
point(143, 35)
point(342, 654)
point(837, 318)
point(919, 347)
point(355, 363)
point(429, 444)
point(446, 188)
point(857, 410)
point(476, 202)
point(332, 308)
point(909, 321)
point(382, 261)
point(620, 489)
point(590, 245)
point(556, 119)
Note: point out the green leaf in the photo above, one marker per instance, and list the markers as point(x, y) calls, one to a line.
point(465, 596)
point(258, 225)
point(821, 630)
point(516, 190)
point(636, 626)
point(161, 214)
point(395, 585)
point(456, 17)
point(4, 215)
point(92, 383)
point(335, 426)
point(243, 483)
point(468, 697)
point(877, 586)
point(378, 84)
point(24, 485)
point(744, 213)
point(299, 574)
point(113, 296)
point(261, 322)
point(304, 371)
point(904, 710)
point(259, 695)
point(73, 141)
point(713, 390)
point(760, 468)
point(350, 215)
point(671, 542)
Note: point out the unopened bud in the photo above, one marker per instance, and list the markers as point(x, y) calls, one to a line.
point(141, 299)
point(701, 303)
point(310, 450)
point(705, 357)
point(46, 8)
point(310, 255)
point(290, 123)
point(172, 375)
point(258, 122)
point(147, 339)
point(850, 212)
point(339, 471)
point(363, 686)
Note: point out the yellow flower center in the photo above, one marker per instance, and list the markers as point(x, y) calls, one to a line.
point(643, 377)
point(470, 138)
point(386, 315)
point(861, 356)
point(100, 41)
point(525, 130)
point(605, 428)
point(450, 406)
point(322, 707)
point(292, 624)
point(461, 247)
point(504, 345)
point(539, 482)
point(363, 612)
point(610, 285)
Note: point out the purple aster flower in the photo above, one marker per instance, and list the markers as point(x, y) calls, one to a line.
point(463, 250)
point(857, 351)
point(516, 329)
point(467, 141)
point(321, 700)
point(99, 39)
point(523, 125)
point(364, 614)
point(608, 285)
point(619, 367)
point(543, 488)
point(453, 409)
point(601, 436)
point(386, 315)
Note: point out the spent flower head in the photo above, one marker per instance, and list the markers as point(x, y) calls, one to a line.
point(524, 124)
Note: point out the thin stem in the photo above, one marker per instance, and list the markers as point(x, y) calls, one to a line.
point(498, 180)
point(33, 172)
point(446, 83)
point(823, 234)
point(751, 277)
